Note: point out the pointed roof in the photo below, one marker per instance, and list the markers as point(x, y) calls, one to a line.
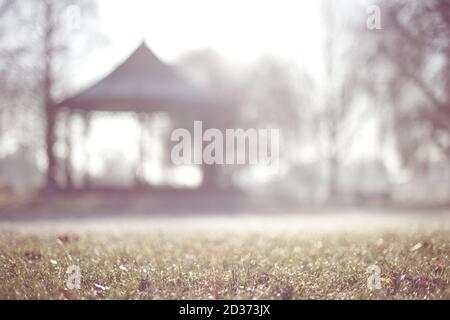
point(141, 83)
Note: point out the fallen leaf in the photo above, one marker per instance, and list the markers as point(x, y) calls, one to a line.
point(263, 278)
point(286, 294)
point(65, 294)
point(144, 285)
point(33, 255)
point(65, 238)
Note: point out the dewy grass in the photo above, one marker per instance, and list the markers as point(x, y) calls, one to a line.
point(413, 262)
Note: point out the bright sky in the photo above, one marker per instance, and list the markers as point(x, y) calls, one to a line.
point(241, 31)
point(238, 29)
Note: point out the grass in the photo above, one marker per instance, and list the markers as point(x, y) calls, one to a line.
point(163, 264)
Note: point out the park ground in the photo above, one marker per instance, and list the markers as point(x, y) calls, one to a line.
point(307, 256)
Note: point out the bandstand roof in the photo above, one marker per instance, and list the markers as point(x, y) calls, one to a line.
point(142, 83)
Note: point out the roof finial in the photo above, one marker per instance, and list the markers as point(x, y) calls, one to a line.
point(143, 43)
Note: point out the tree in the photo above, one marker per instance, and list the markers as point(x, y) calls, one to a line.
point(53, 43)
point(408, 63)
point(276, 94)
point(338, 119)
point(11, 52)
point(415, 48)
point(213, 75)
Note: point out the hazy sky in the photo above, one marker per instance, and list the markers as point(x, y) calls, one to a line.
point(241, 31)
point(238, 29)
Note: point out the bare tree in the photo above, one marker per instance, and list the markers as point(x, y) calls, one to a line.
point(409, 66)
point(212, 73)
point(9, 57)
point(416, 47)
point(51, 46)
point(338, 118)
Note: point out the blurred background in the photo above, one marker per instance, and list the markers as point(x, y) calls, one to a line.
point(90, 92)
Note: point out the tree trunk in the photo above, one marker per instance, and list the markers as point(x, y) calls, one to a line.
point(50, 142)
point(49, 105)
point(211, 177)
point(333, 183)
point(68, 155)
point(87, 183)
point(140, 162)
point(448, 183)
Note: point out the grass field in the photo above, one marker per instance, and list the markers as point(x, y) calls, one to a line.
point(277, 258)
